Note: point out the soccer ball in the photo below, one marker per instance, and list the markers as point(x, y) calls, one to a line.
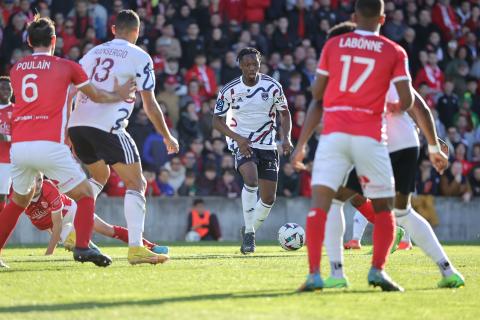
point(291, 236)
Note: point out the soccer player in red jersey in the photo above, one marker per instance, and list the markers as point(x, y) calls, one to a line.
point(6, 109)
point(41, 85)
point(55, 212)
point(353, 77)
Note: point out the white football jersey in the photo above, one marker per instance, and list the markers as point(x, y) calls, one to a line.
point(123, 60)
point(401, 130)
point(251, 111)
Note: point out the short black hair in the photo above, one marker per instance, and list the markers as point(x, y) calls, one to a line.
point(198, 201)
point(247, 51)
point(369, 8)
point(5, 79)
point(341, 28)
point(127, 20)
point(41, 31)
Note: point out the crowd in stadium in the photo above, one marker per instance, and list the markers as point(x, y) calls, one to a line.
point(194, 44)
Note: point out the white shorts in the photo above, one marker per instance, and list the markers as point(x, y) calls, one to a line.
point(5, 178)
point(337, 152)
point(50, 158)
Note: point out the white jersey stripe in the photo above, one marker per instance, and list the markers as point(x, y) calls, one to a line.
point(125, 149)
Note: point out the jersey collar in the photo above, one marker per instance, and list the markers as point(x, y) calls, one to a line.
point(41, 54)
point(120, 41)
point(367, 33)
point(3, 106)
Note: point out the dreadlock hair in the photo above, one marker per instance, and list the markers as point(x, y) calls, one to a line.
point(341, 28)
point(247, 51)
point(5, 79)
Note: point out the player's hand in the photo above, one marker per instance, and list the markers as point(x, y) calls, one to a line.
point(439, 161)
point(172, 145)
point(127, 90)
point(444, 146)
point(297, 157)
point(244, 146)
point(287, 147)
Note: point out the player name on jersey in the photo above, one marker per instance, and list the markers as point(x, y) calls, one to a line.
point(361, 43)
point(33, 65)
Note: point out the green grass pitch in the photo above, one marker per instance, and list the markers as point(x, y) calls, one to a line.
point(216, 282)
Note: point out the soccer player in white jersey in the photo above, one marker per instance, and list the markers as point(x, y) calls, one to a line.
point(250, 104)
point(98, 131)
point(403, 147)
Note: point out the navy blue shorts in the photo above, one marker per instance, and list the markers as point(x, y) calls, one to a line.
point(266, 161)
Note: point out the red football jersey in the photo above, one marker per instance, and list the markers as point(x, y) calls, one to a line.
point(360, 66)
point(5, 129)
point(40, 84)
point(50, 200)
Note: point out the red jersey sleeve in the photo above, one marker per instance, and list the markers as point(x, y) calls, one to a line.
point(400, 71)
point(79, 77)
point(52, 196)
point(322, 67)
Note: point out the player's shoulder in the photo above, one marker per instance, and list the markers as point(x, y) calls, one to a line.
point(230, 85)
point(137, 52)
point(390, 44)
point(266, 78)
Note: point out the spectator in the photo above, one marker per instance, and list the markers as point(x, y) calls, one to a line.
point(428, 184)
point(205, 121)
point(68, 35)
point(228, 186)
point(204, 75)
point(81, 18)
point(230, 70)
point(288, 184)
point(176, 172)
point(448, 104)
point(117, 7)
point(152, 189)
point(306, 180)
point(170, 99)
point(454, 184)
point(188, 187)
point(461, 156)
point(14, 35)
point(202, 222)
point(192, 45)
point(474, 181)
point(286, 68)
point(100, 19)
point(431, 75)
point(193, 96)
point(282, 40)
point(476, 154)
point(188, 127)
point(208, 182)
point(395, 28)
point(298, 120)
point(163, 183)
point(444, 17)
point(217, 44)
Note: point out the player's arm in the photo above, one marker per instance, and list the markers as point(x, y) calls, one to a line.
point(155, 114)
point(420, 113)
point(286, 125)
point(312, 120)
point(120, 92)
point(56, 231)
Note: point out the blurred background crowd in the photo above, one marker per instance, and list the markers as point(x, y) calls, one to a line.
point(194, 44)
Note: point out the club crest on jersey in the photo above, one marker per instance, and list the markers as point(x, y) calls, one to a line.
point(265, 96)
point(44, 204)
point(219, 105)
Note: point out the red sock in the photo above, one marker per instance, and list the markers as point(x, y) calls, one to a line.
point(8, 220)
point(121, 233)
point(3, 204)
point(84, 221)
point(315, 233)
point(367, 211)
point(383, 236)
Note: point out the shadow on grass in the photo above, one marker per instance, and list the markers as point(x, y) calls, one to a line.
point(192, 298)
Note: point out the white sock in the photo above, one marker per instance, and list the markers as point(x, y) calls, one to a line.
point(96, 187)
point(262, 211)
point(359, 225)
point(135, 216)
point(249, 200)
point(334, 230)
point(424, 237)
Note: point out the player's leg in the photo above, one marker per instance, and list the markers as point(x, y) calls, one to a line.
point(99, 172)
point(267, 185)
point(375, 173)
point(135, 209)
point(247, 167)
point(5, 183)
point(359, 225)
point(331, 164)
point(23, 176)
point(418, 228)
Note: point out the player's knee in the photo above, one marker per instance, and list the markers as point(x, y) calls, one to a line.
point(22, 200)
point(251, 182)
point(382, 205)
point(138, 184)
point(357, 201)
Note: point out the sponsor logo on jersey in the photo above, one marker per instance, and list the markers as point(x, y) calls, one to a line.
point(219, 105)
